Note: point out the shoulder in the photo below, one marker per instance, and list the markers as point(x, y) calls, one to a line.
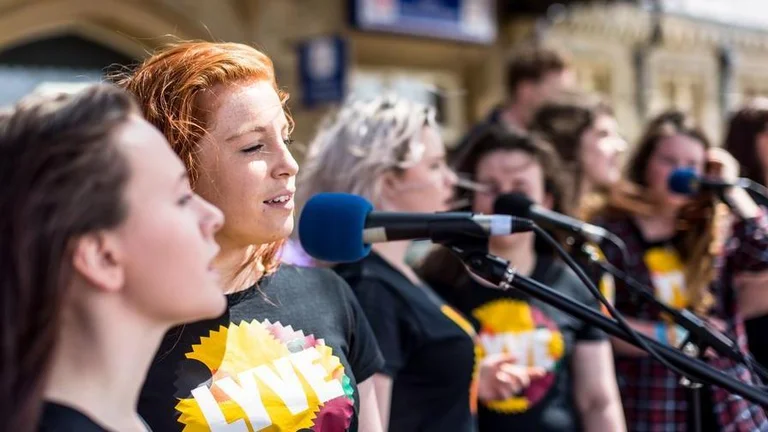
point(611, 218)
point(60, 418)
point(369, 271)
point(565, 280)
point(315, 279)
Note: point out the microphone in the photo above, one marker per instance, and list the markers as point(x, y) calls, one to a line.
point(685, 181)
point(519, 205)
point(338, 227)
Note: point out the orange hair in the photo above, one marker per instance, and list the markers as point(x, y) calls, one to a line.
point(169, 85)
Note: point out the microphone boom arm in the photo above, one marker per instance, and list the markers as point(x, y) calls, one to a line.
point(699, 338)
point(473, 251)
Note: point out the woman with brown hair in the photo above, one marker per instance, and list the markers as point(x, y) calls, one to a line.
point(104, 247)
point(293, 350)
point(747, 141)
point(583, 130)
point(677, 248)
point(563, 375)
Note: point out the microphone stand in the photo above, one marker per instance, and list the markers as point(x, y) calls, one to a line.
point(700, 336)
point(473, 251)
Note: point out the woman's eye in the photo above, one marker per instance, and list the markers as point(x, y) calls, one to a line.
point(185, 199)
point(253, 148)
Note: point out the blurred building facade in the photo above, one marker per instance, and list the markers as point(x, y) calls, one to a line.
point(704, 56)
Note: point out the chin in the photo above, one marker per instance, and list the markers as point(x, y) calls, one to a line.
point(279, 232)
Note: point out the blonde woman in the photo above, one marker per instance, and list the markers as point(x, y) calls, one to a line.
point(389, 150)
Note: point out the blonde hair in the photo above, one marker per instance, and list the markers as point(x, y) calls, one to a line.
point(363, 140)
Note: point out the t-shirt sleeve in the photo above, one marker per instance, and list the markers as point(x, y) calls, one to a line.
point(364, 356)
point(384, 312)
point(587, 331)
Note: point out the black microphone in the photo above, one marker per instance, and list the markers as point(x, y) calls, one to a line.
point(338, 227)
point(519, 205)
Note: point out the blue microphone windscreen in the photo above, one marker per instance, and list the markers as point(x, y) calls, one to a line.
point(683, 181)
point(331, 227)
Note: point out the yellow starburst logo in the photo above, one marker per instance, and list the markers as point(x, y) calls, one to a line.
point(264, 377)
point(510, 326)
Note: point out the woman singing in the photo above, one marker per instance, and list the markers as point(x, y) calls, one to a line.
point(677, 249)
point(293, 350)
point(389, 150)
point(563, 374)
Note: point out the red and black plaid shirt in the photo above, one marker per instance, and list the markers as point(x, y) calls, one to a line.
point(654, 400)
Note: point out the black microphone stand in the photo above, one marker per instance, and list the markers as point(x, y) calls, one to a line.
point(473, 251)
point(700, 336)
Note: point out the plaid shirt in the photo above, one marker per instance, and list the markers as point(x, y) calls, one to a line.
point(653, 399)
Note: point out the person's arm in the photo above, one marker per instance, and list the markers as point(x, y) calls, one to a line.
point(660, 331)
point(594, 386)
point(750, 253)
point(383, 385)
point(369, 419)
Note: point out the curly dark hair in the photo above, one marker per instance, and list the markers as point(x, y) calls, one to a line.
point(437, 267)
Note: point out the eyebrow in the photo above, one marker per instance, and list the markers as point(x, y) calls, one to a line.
point(253, 129)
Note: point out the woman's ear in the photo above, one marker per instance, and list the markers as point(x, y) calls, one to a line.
point(389, 185)
point(97, 258)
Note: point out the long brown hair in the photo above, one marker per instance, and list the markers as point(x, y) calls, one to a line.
point(741, 140)
point(440, 266)
point(169, 86)
point(697, 240)
point(563, 124)
point(61, 177)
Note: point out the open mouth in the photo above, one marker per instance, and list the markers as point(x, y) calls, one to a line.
point(279, 200)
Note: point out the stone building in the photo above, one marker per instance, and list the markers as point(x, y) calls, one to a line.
point(707, 59)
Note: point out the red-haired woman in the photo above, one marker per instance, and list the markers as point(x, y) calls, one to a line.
point(293, 350)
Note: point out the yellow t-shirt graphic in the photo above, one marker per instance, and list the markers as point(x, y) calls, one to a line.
point(265, 377)
point(515, 327)
point(668, 276)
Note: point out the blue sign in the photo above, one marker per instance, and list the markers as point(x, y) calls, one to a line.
point(323, 70)
point(461, 20)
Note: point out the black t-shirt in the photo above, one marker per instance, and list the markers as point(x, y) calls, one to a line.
point(537, 333)
point(428, 348)
point(61, 418)
point(287, 353)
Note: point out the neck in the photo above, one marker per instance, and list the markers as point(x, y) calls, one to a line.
point(657, 226)
point(521, 255)
point(514, 117)
point(229, 263)
point(585, 188)
point(100, 363)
